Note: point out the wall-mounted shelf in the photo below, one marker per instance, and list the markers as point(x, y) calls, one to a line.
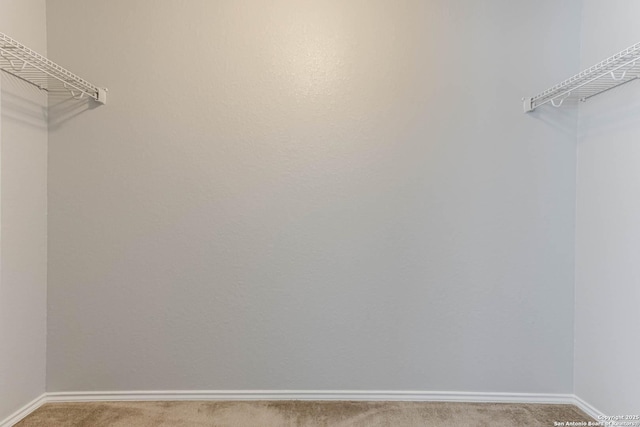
point(27, 65)
point(617, 70)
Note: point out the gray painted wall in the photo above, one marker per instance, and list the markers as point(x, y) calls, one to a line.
point(23, 201)
point(312, 195)
point(608, 230)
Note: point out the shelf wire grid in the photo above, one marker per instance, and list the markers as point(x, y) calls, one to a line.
point(27, 65)
point(615, 71)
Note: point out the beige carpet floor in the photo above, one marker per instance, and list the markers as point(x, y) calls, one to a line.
point(299, 413)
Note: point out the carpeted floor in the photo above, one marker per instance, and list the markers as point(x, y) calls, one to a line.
point(300, 413)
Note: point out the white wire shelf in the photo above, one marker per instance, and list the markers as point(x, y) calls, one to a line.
point(621, 68)
point(27, 65)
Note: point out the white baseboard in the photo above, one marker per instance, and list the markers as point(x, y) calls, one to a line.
point(588, 409)
point(24, 411)
point(310, 395)
point(353, 395)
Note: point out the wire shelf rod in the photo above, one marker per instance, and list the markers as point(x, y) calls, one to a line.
point(50, 74)
point(612, 72)
point(27, 65)
point(574, 88)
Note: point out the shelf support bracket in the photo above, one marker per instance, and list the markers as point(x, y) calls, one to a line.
point(613, 76)
point(528, 105)
point(559, 104)
point(102, 96)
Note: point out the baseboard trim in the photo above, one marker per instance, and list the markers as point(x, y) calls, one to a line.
point(24, 411)
point(353, 395)
point(310, 395)
point(588, 409)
